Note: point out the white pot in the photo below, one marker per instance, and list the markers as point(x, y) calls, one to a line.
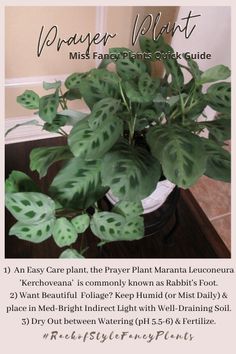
point(154, 200)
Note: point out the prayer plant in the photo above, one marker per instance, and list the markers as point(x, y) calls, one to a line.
point(138, 129)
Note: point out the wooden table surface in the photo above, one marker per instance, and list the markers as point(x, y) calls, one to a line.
point(193, 237)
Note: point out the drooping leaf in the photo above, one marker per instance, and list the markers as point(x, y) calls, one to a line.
point(128, 209)
point(43, 157)
point(30, 122)
point(48, 107)
point(216, 73)
point(29, 99)
point(218, 161)
point(70, 253)
point(81, 223)
point(20, 182)
point(78, 184)
point(64, 233)
point(219, 97)
point(131, 173)
point(102, 110)
point(87, 143)
point(35, 233)
point(51, 85)
point(30, 207)
point(180, 152)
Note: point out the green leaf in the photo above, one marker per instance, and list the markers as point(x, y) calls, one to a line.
point(30, 207)
point(51, 85)
point(58, 121)
point(42, 158)
point(148, 45)
point(180, 152)
point(78, 184)
point(216, 73)
point(131, 172)
point(72, 94)
point(30, 122)
point(128, 209)
point(102, 110)
point(194, 68)
point(70, 253)
point(148, 86)
point(133, 229)
point(219, 97)
point(64, 233)
point(134, 95)
point(20, 182)
point(218, 161)
point(35, 233)
point(81, 223)
point(29, 99)
point(73, 81)
point(99, 84)
point(109, 227)
point(73, 117)
point(89, 144)
point(219, 129)
point(48, 107)
point(130, 69)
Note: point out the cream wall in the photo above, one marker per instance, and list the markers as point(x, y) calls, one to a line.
point(24, 70)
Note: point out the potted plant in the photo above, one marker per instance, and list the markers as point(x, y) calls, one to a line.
point(139, 128)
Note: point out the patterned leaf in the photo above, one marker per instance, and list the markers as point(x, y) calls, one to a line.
point(128, 209)
point(30, 207)
point(216, 73)
point(89, 144)
point(64, 233)
point(102, 110)
point(48, 107)
point(72, 94)
point(81, 223)
point(78, 184)
point(218, 161)
point(134, 95)
point(193, 66)
point(99, 84)
point(42, 158)
point(131, 173)
point(180, 152)
point(58, 121)
point(29, 99)
point(151, 46)
point(35, 233)
point(130, 69)
point(73, 81)
point(109, 227)
point(219, 97)
point(148, 86)
point(70, 253)
point(20, 182)
point(219, 129)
